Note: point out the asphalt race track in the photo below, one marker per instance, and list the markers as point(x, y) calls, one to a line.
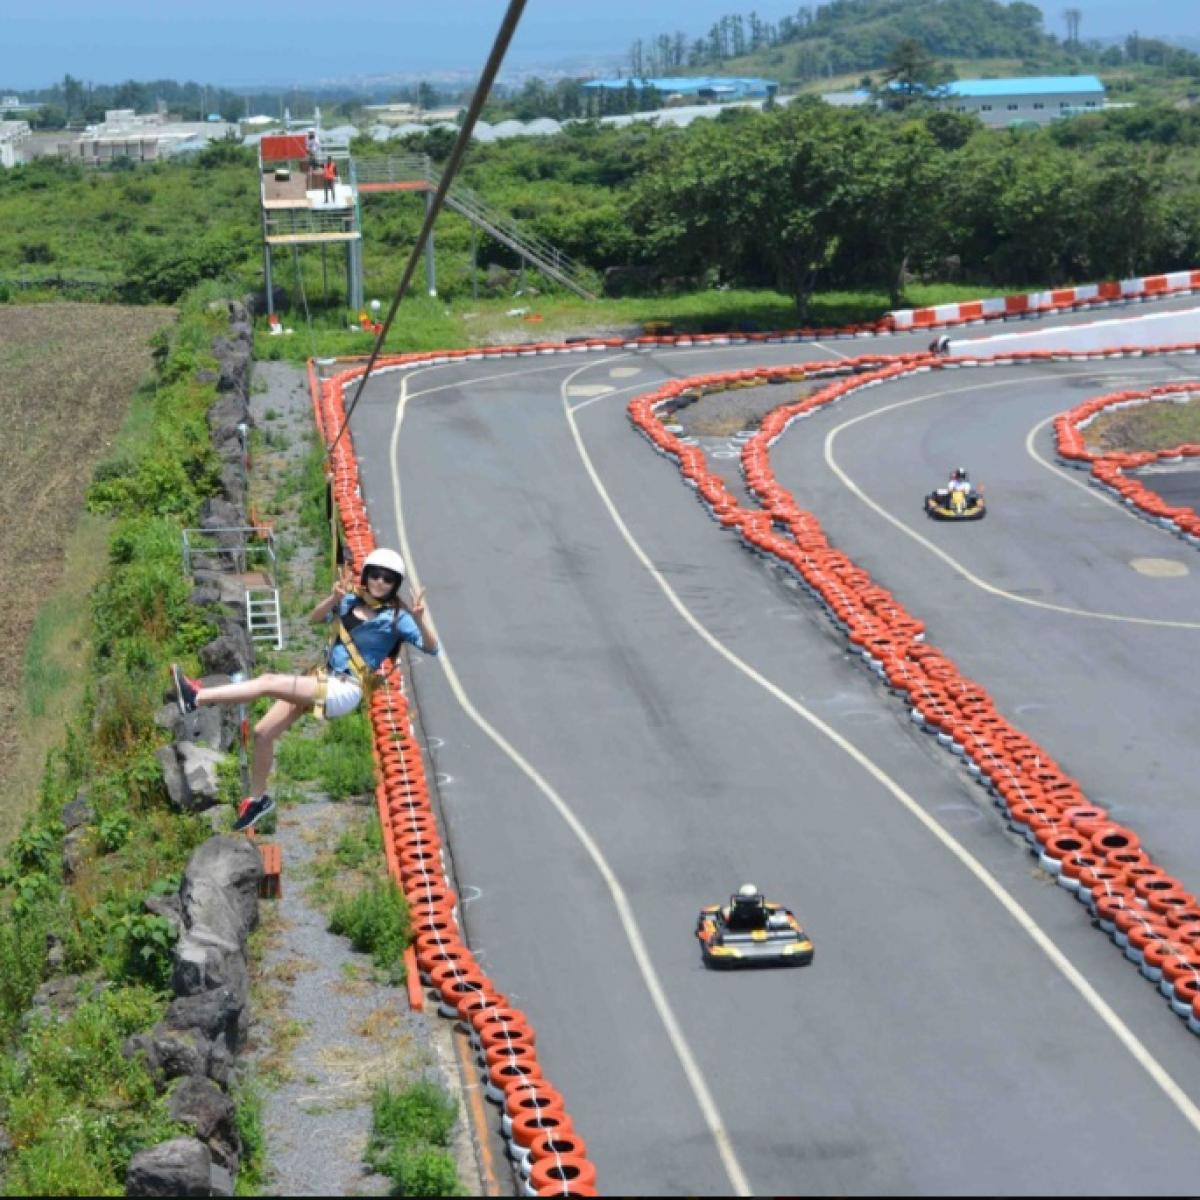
point(634, 716)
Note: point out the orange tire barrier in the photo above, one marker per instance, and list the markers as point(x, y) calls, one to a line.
point(1100, 861)
point(414, 854)
point(562, 1176)
point(890, 640)
point(1108, 470)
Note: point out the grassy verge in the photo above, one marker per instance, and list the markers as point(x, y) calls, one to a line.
point(74, 1108)
point(410, 1139)
point(1157, 426)
point(423, 323)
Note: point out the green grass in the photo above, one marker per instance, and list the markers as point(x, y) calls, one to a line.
point(337, 761)
point(1148, 427)
point(376, 921)
point(248, 1102)
point(76, 1110)
point(426, 324)
point(410, 1133)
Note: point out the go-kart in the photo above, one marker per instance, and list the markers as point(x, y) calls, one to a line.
point(751, 933)
point(954, 504)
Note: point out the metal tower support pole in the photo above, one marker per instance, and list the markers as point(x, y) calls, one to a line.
point(430, 268)
point(267, 278)
point(354, 281)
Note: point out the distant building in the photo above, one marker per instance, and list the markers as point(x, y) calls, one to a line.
point(14, 138)
point(141, 137)
point(392, 114)
point(14, 104)
point(1030, 100)
point(692, 87)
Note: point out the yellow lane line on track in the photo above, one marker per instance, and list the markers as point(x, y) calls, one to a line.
point(737, 1178)
point(952, 562)
point(1157, 1072)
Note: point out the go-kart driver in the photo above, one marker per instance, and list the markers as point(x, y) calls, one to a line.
point(748, 910)
point(959, 482)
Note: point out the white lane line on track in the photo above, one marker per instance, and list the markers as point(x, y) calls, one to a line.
point(740, 1185)
point(831, 350)
point(1157, 1072)
point(952, 562)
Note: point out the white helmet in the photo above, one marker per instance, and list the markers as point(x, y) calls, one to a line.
point(389, 560)
point(748, 890)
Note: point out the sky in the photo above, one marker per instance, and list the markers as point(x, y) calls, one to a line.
point(302, 42)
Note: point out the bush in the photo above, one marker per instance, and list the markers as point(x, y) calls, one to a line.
point(376, 922)
point(22, 963)
point(422, 1173)
point(36, 252)
point(162, 270)
point(409, 1129)
point(76, 1109)
point(146, 942)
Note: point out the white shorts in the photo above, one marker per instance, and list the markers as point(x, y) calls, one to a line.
point(342, 695)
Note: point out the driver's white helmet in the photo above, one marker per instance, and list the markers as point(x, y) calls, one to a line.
point(748, 890)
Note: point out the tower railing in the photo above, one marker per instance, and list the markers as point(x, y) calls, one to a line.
point(531, 247)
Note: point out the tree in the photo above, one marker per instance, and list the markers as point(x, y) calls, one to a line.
point(911, 76)
point(427, 95)
point(899, 174)
point(73, 96)
point(637, 59)
point(760, 199)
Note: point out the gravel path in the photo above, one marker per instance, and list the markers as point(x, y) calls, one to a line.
point(324, 1033)
point(343, 1032)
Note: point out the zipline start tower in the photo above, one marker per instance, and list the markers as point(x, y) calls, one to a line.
point(300, 208)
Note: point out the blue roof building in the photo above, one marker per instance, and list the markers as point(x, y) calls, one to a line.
point(1028, 100)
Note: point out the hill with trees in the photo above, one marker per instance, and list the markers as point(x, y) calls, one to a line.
point(847, 36)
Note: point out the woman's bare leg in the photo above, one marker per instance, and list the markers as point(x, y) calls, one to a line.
point(295, 689)
point(280, 717)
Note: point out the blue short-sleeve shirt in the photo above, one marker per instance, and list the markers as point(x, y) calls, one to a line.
point(377, 638)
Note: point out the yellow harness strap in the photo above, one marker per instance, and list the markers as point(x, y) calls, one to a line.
point(367, 678)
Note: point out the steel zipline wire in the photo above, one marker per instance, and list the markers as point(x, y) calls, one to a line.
point(499, 48)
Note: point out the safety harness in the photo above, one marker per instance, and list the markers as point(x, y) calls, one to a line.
point(367, 678)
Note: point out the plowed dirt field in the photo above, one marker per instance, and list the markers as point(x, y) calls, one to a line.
point(67, 373)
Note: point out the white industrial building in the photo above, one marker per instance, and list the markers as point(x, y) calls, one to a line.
point(14, 136)
point(1022, 101)
point(144, 137)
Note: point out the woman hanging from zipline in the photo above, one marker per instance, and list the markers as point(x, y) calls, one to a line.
point(369, 625)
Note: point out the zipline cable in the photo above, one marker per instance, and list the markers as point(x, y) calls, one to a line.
point(499, 47)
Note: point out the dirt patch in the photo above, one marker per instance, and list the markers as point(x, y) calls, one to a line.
point(67, 373)
point(1157, 426)
point(722, 414)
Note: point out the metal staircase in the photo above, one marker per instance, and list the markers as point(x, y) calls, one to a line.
point(416, 172)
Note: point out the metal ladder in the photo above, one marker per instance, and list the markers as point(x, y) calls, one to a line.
point(263, 618)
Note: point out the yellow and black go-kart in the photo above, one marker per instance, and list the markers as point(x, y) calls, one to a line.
point(751, 933)
point(953, 504)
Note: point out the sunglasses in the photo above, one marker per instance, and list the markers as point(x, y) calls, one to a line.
point(384, 574)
